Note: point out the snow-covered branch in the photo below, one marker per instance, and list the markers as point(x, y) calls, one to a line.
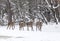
point(48, 3)
point(56, 6)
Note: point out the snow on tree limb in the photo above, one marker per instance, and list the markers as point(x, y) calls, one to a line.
point(56, 6)
point(48, 3)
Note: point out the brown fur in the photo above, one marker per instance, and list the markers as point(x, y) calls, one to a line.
point(11, 24)
point(30, 24)
point(21, 25)
point(38, 25)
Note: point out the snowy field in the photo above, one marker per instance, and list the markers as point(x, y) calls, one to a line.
point(50, 32)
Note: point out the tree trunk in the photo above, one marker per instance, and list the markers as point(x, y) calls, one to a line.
point(9, 12)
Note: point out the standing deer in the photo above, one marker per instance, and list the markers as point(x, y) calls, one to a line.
point(39, 25)
point(30, 24)
point(21, 25)
point(11, 25)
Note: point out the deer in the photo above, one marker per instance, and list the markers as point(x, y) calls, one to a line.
point(38, 25)
point(11, 25)
point(29, 24)
point(21, 25)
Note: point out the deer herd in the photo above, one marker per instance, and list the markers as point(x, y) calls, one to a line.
point(22, 24)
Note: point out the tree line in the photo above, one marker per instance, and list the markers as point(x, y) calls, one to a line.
point(16, 10)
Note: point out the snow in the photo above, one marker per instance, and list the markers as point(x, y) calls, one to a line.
point(50, 32)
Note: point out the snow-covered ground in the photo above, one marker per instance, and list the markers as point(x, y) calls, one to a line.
point(50, 32)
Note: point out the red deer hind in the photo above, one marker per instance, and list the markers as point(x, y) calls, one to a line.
point(38, 25)
point(30, 24)
point(11, 25)
point(21, 25)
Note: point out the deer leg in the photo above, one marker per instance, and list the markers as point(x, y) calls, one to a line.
point(12, 28)
point(40, 28)
point(36, 28)
point(27, 28)
point(7, 27)
point(32, 28)
point(23, 28)
point(19, 28)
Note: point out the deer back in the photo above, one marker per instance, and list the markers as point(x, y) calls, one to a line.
point(38, 23)
point(10, 23)
point(29, 23)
